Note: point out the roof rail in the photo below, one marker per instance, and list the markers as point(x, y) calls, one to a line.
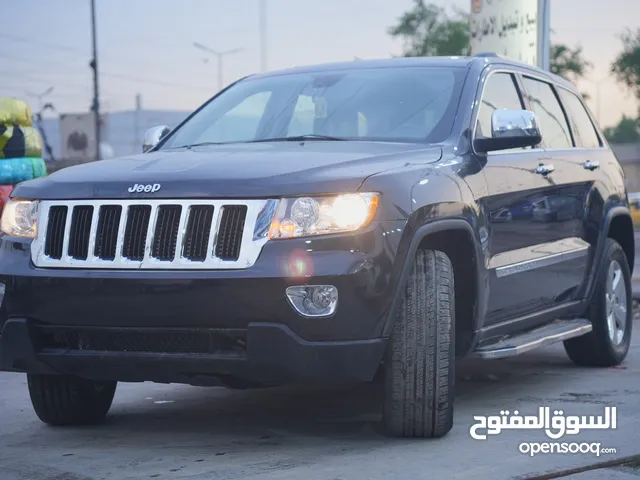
point(486, 54)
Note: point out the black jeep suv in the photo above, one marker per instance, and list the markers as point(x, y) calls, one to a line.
point(325, 224)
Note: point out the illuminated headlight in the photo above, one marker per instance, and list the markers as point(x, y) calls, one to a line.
point(20, 218)
point(307, 216)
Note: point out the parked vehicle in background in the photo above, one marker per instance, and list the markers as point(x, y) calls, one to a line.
point(372, 216)
point(634, 203)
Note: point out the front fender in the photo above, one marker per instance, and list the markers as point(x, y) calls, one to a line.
point(412, 237)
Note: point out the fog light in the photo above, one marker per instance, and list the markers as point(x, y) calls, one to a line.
point(313, 300)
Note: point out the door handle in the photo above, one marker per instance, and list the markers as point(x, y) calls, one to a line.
point(544, 169)
point(589, 165)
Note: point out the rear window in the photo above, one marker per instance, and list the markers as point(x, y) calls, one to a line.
point(584, 132)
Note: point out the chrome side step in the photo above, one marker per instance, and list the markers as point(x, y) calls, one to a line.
point(517, 344)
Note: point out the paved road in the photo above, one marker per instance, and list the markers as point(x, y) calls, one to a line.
point(163, 432)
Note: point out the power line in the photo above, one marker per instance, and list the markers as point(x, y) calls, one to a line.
point(43, 44)
point(151, 81)
point(31, 61)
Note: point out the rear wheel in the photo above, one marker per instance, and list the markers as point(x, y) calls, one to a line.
point(70, 400)
point(610, 312)
point(420, 360)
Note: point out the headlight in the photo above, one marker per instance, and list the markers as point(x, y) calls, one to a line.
point(306, 216)
point(20, 218)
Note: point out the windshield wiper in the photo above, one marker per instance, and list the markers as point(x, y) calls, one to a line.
point(300, 138)
point(202, 144)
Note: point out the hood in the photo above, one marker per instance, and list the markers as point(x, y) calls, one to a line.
point(231, 171)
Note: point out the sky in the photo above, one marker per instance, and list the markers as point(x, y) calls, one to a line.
point(146, 46)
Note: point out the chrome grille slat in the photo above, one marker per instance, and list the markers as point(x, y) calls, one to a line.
point(92, 232)
point(120, 237)
point(67, 230)
point(148, 239)
point(163, 246)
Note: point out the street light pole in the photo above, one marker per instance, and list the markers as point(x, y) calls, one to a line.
point(598, 85)
point(96, 89)
point(220, 56)
point(263, 35)
point(40, 96)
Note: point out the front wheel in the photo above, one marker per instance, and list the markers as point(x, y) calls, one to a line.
point(70, 400)
point(610, 313)
point(420, 360)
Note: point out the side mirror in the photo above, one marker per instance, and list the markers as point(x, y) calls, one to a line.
point(153, 136)
point(510, 129)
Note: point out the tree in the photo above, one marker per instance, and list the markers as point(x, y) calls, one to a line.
point(627, 131)
point(427, 30)
point(626, 66)
point(568, 62)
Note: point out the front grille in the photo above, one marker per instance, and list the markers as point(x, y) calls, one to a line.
point(198, 232)
point(107, 232)
point(80, 231)
point(136, 231)
point(150, 234)
point(169, 341)
point(55, 232)
point(165, 236)
point(230, 232)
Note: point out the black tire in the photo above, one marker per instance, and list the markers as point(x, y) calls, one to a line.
point(419, 366)
point(69, 400)
point(597, 349)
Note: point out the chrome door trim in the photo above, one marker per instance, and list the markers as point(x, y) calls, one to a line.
point(538, 256)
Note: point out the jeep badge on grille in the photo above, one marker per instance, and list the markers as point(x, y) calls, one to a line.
point(151, 188)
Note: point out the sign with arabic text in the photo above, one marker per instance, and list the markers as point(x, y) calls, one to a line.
point(508, 28)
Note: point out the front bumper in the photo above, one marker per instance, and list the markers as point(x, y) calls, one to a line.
point(115, 324)
point(273, 355)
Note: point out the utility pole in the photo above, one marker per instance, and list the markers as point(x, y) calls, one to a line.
point(220, 56)
point(96, 88)
point(263, 35)
point(544, 34)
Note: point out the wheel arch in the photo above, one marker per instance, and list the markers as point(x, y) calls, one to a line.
point(617, 225)
point(457, 239)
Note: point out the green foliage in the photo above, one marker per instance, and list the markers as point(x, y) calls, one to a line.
point(627, 131)
point(428, 30)
point(626, 66)
point(568, 62)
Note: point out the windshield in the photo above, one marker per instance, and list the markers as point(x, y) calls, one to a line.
point(415, 104)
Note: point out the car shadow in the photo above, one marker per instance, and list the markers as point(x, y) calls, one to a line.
point(268, 417)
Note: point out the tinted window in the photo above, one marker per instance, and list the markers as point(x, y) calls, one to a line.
point(499, 92)
point(394, 104)
point(552, 122)
point(584, 132)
